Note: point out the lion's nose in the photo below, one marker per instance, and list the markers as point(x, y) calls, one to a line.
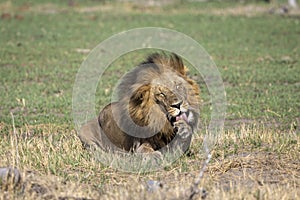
point(177, 105)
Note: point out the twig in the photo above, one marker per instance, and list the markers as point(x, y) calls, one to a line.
point(194, 188)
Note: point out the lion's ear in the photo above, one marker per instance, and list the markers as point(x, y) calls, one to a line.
point(141, 94)
point(177, 64)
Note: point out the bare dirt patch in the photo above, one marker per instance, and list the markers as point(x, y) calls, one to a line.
point(248, 10)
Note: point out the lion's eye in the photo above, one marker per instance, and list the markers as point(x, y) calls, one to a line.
point(162, 94)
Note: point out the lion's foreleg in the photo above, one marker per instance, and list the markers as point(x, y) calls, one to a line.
point(183, 137)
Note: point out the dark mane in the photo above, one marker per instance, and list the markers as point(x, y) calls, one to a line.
point(153, 66)
point(172, 61)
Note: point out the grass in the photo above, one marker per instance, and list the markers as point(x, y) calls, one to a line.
point(257, 53)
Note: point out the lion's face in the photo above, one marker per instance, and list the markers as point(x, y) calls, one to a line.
point(170, 92)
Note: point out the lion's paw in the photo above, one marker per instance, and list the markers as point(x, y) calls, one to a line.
point(182, 129)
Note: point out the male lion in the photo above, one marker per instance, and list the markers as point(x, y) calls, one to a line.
point(157, 110)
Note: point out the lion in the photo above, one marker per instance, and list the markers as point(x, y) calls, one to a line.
point(157, 109)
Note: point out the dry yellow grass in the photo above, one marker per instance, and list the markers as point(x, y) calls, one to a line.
point(249, 162)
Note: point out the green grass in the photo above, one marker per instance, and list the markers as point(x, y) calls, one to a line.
point(39, 59)
point(256, 54)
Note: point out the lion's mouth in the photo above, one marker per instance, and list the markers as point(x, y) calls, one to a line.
point(181, 116)
point(185, 116)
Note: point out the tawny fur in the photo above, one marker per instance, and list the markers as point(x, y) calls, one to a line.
point(147, 97)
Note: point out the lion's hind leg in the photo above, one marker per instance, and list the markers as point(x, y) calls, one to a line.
point(92, 138)
point(89, 134)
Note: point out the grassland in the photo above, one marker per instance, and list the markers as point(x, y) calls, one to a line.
point(257, 53)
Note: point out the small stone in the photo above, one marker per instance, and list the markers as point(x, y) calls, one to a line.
point(153, 185)
point(9, 177)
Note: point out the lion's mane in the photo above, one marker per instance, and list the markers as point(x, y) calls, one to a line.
point(143, 114)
